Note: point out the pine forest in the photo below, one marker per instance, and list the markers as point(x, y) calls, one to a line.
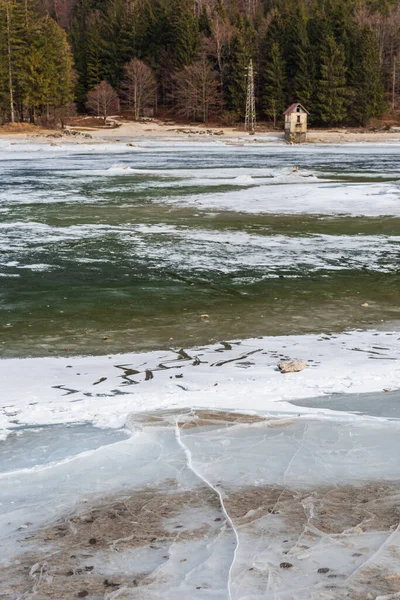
point(188, 58)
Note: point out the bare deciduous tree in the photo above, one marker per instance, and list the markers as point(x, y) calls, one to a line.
point(138, 89)
point(217, 45)
point(197, 91)
point(249, 7)
point(103, 100)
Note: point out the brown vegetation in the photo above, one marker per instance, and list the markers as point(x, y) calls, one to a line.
point(103, 101)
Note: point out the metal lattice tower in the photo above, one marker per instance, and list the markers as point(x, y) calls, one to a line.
point(250, 121)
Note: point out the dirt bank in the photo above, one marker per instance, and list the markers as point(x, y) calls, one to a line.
point(128, 130)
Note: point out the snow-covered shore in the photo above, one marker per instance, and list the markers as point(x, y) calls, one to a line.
point(241, 376)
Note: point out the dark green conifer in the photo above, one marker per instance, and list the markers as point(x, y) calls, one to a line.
point(274, 96)
point(79, 39)
point(369, 93)
point(94, 56)
point(183, 32)
point(204, 22)
point(242, 48)
point(332, 92)
point(14, 48)
point(300, 69)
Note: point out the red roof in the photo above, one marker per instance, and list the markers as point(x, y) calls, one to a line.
point(293, 107)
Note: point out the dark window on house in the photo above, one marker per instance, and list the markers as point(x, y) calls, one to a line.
point(298, 118)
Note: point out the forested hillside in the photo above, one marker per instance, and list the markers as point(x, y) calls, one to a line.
point(188, 58)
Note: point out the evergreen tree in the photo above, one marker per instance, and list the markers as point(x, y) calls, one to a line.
point(242, 46)
point(117, 40)
point(4, 92)
point(147, 41)
point(332, 85)
point(301, 64)
point(369, 96)
point(204, 22)
point(274, 98)
point(48, 73)
point(13, 44)
point(341, 24)
point(304, 81)
point(183, 30)
point(298, 56)
point(79, 39)
point(36, 65)
point(36, 81)
point(94, 57)
point(273, 35)
point(57, 66)
point(318, 30)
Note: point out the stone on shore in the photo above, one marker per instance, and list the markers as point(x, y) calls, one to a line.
point(292, 366)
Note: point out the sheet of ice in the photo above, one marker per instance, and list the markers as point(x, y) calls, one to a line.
point(256, 178)
point(314, 514)
point(195, 177)
point(41, 493)
point(258, 197)
point(241, 375)
point(35, 446)
point(132, 510)
point(213, 505)
point(387, 407)
point(298, 450)
point(40, 247)
point(26, 149)
point(318, 198)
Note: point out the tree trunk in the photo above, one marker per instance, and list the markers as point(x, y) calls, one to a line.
point(26, 16)
point(135, 102)
point(204, 104)
point(10, 74)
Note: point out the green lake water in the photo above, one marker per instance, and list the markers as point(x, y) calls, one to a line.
point(108, 251)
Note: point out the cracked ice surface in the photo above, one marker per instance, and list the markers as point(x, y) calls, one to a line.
point(143, 519)
point(211, 504)
point(314, 513)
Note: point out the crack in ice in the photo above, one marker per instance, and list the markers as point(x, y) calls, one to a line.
point(192, 468)
point(374, 555)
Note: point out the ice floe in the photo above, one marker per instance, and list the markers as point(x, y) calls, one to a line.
point(29, 245)
point(325, 180)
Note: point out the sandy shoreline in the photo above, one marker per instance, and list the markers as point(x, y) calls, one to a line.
point(129, 131)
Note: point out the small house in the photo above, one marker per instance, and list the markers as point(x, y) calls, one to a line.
point(296, 124)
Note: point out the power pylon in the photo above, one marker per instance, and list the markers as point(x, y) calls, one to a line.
point(250, 121)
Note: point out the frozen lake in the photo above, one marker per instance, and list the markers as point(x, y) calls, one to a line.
point(113, 248)
point(150, 447)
